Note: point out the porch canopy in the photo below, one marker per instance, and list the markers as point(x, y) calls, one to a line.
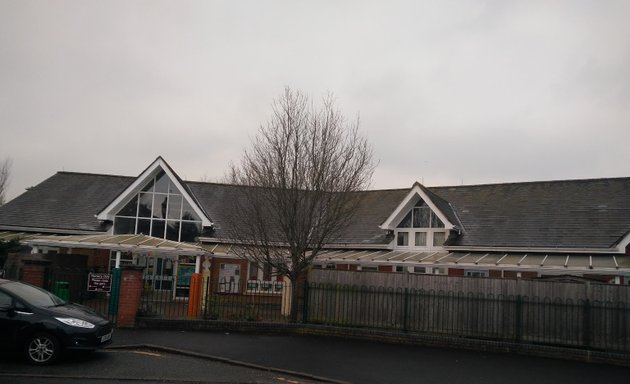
point(549, 263)
point(123, 243)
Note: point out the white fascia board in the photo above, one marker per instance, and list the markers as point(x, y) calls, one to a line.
point(623, 244)
point(407, 203)
point(158, 165)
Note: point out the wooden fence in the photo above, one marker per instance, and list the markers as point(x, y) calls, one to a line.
point(505, 287)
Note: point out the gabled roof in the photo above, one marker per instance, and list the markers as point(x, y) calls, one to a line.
point(64, 203)
point(566, 216)
point(551, 214)
point(438, 205)
point(158, 165)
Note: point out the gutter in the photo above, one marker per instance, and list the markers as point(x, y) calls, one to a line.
point(532, 249)
point(51, 231)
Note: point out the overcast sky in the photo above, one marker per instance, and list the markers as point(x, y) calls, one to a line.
point(448, 92)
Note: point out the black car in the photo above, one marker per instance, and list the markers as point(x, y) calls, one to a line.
point(42, 326)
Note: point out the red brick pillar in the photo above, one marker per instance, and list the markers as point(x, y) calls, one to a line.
point(129, 299)
point(34, 272)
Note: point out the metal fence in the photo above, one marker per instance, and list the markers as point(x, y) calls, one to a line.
point(252, 305)
point(591, 324)
point(71, 284)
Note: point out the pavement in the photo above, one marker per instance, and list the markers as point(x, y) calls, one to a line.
point(338, 360)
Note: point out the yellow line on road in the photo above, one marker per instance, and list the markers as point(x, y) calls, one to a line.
point(147, 353)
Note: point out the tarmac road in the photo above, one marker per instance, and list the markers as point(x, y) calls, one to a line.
point(138, 366)
point(365, 362)
point(218, 357)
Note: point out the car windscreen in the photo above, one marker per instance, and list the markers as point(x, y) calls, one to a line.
point(33, 295)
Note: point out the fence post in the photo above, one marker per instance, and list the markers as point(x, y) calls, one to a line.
point(586, 324)
point(114, 293)
point(518, 321)
point(405, 309)
point(305, 305)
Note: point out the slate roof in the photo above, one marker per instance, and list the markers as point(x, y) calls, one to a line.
point(64, 202)
point(555, 214)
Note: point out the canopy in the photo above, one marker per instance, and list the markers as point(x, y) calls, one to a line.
point(125, 243)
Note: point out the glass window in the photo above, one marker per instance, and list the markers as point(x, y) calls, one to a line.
point(5, 300)
point(436, 222)
point(421, 217)
point(131, 209)
point(190, 231)
point(144, 226)
point(33, 295)
point(172, 230)
point(439, 238)
point(124, 225)
point(161, 211)
point(403, 238)
point(146, 205)
point(174, 207)
point(161, 182)
point(188, 213)
point(406, 222)
point(157, 229)
point(421, 239)
point(161, 202)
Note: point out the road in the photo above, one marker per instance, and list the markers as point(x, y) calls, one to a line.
point(138, 366)
point(341, 360)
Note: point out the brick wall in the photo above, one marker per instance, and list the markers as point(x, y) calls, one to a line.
point(34, 272)
point(130, 292)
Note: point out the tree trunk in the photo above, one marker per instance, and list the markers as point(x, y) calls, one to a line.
point(295, 293)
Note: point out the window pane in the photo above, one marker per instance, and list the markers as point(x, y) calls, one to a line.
point(144, 225)
point(421, 217)
point(190, 231)
point(421, 239)
point(436, 222)
point(146, 202)
point(406, 222)
point(253, 271)
point(148, 187)
point(188, 213)
point(439, 238)
point(161, 183)
point(124, 225)
point(131, 209)
point(172, 230)
point(159, 209)
point(403, 238)
point(174, 207)
point(158, 228)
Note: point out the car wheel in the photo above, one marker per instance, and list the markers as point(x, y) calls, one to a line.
point(41, 349)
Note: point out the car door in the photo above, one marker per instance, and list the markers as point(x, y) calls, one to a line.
point(7, 316)
point(14, 316)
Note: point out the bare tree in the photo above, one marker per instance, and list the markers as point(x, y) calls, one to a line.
point(300, 177)
point(5, 173)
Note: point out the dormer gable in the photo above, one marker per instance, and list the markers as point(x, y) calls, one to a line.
point(420, 220)
point(157, 203)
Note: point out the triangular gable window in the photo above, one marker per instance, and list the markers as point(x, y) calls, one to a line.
point(159, 209)
point(421, 216)
point(421, 228)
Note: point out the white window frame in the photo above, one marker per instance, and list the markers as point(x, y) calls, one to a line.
point(411, 238)
point(476, 273)
point(260, 285)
